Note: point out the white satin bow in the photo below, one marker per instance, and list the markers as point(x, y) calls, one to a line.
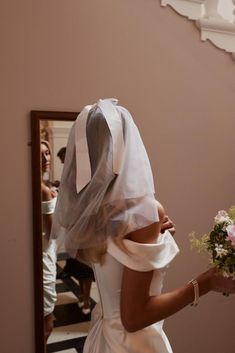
point(83, 168)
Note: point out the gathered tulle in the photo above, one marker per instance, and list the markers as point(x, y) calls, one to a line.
point(109, 205)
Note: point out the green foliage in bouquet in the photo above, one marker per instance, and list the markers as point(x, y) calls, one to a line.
point(219, 244)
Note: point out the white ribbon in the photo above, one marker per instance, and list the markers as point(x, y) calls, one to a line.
point(83, 167)
point(83, 170)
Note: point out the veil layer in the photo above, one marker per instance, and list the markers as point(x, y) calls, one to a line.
point(107, 187)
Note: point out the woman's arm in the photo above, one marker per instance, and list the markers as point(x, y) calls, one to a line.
point(47, 195)
point(139, 309)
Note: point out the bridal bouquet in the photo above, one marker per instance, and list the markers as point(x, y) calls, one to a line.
point(219, 244)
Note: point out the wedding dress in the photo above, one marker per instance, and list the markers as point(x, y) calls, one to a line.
point(106, 192)
point(107, 334)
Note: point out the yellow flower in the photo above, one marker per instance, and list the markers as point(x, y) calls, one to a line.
point(231, 213)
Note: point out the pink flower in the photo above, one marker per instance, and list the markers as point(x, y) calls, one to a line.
point(231, 233)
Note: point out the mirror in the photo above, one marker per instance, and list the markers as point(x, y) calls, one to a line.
point(53, 129)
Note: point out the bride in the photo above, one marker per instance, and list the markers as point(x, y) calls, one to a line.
point(109, 217)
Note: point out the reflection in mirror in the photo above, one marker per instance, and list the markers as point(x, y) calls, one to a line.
point(65, 291)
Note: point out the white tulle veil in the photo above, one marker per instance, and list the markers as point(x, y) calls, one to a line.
point(107, 185)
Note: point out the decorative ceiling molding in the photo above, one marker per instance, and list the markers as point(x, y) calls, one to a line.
point(220, 33)
point(214, 18)
point(189, 8)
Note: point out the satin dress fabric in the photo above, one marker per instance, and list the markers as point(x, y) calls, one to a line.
point(107, 334)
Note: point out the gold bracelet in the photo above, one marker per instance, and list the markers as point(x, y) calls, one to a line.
point(194, 282)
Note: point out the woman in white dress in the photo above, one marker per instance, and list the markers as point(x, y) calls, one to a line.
point(49, 196)
point(108, 216)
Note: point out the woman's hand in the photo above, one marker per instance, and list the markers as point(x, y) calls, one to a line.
point(213, 280)
point(167, 224)
point(222, 284)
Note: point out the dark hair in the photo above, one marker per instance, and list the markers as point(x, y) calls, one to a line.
point(61, 152)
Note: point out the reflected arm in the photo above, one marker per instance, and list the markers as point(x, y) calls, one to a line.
point(47, 195)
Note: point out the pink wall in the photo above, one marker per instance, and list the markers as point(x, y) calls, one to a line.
point(60, 55)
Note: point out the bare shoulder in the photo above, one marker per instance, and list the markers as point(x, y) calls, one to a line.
point(150, 233)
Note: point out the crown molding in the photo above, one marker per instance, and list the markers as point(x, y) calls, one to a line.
point(219, 32)
point(211, 18)
point(188, 8)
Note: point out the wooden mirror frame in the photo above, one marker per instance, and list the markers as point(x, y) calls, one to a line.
point(36, 117)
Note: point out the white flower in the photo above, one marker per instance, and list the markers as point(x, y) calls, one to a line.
point(231, 233)
point(223, 217)
point(220, 251)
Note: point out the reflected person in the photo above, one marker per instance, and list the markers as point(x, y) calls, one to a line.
point(61, 154)
point(77, 269)
point(49, 197)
